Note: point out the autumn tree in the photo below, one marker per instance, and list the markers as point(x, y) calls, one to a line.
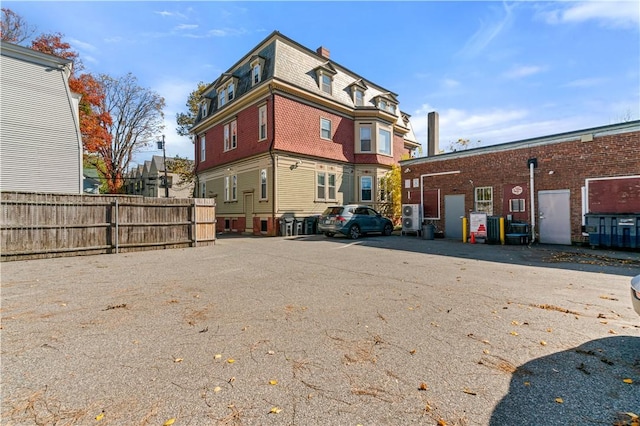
point(392, 184)
point(13, 28)
point(183, 167)
point(136, 119)
point(461, 144)
point(185, 120)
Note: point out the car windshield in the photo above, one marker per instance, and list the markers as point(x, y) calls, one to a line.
point(332, 211)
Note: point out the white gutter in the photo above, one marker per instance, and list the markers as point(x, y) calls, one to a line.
point(533, 210)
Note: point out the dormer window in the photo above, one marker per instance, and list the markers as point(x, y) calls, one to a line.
point(203, 108)
point(222, 97)
point(386, 104)
point(324, 74)
point(358, 97)
point(230, 91)
point(257, 65)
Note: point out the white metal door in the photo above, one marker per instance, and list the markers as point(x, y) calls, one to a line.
point(554, 217)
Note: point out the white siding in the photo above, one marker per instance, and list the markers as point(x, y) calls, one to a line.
point(40, 147)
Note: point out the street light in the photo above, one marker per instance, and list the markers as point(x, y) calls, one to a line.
point(161, 145)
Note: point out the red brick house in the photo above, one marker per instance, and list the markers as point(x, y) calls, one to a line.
point(572, 177)
point(286, 131)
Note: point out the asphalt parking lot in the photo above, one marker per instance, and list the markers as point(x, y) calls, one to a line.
point(315, 331)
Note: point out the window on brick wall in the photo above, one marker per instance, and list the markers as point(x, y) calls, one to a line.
point(484, 200)
point(262, 123)
point(516, 205)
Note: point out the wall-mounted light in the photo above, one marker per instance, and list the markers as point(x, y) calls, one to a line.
point(551, 172)
point(295, 165)
point(407, 170)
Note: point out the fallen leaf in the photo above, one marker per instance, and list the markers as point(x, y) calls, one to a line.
point(217, 389)
point(231, 380)
point(412, 351)
point(468, 391)
point(217, 356)
point(270, 353)
point(427, 408)
point(169, 422)
point(612, 332)
point(514, 322)
point(177, 360)
point(549, 330)
point(543, 343)
point(273, 382)
point(485, 351)
point(423, 386)
point(486, 342)
point(559, 400)
point(99, 416)
point(231, 360)
point(527, 383)
point(629, 381)
point(442, 423)
point(513, 333)
point(275, 410)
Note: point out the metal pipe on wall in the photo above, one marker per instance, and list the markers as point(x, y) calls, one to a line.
point(533, 210)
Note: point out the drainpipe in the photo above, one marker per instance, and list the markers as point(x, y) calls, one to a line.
point(273, 159)
point(532, 164)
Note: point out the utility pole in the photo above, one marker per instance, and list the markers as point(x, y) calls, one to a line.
point(161, 144)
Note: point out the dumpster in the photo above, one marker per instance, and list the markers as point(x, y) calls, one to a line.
point(613, 230)
point(428, 231)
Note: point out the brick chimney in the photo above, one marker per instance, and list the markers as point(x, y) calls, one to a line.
point(433, 136)
point(323, 51)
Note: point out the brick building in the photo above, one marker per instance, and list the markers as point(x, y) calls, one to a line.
point(286, 131)
point(573, 175)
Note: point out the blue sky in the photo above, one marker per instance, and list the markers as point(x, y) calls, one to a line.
point(495, 71)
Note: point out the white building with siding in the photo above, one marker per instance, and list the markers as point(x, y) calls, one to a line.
point(40, 140)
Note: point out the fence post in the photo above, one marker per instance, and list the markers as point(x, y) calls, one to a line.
point(194, 222)
point(115, 215)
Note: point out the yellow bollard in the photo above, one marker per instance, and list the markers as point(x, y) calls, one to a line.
point(502, 230)
point(464, 229)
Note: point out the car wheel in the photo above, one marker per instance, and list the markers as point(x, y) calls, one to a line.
point(328, 234)
point(354, 232)
point(388, 229)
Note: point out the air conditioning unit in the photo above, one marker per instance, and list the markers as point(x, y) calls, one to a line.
point(411, 218)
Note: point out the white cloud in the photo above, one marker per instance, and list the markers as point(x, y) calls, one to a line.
point(623, 14)
point(523, 71)
point(488, 32)
point(586, 82)
point(450, 83)
point(186, 27)
point(81, 45)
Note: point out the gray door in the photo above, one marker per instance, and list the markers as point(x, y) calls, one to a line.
point(453, 212)
point(248, 213)
point(554, 217)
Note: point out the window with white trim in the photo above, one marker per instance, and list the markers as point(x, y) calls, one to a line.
point(262, 122)
point(325, 128)
point(226, 137)
point(358, 97)
point(203, 148)
point(231, 188)
point(366, 188)
point(230, 91)
point(484, 200)
point(203, 106)
point(234, 134)
point(384, 142)
point(326, 83)
point(365, 138)
point(516, 205)
point(222, 97)
point(256, 72)
point(326, 186)
point(263, 184)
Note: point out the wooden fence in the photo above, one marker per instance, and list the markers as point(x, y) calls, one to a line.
point(35, 225)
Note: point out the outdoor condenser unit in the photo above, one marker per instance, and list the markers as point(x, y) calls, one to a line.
point(411, 218)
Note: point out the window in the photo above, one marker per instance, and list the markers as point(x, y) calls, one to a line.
point(203, 148)
point(222, 97)
point(234, 187)
point(516, 205)
point(383, 105)
point(234, 134)
point(255, 73)
point(326, 186)
point(230, 88)
point(384, 142)
point(263, 184)
point(359, 97)
point(203, 189)
point(484, 200)
point(366, 183)
point(326, 81)
point(262, 119)
point(204, 109)
point(227, 144)
point(231, 188)
point(325, 128)
point(365, 139)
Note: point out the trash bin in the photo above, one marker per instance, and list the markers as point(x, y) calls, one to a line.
point(297, 227)
point(286, 226)
point(428, 231)
point(310, 225)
